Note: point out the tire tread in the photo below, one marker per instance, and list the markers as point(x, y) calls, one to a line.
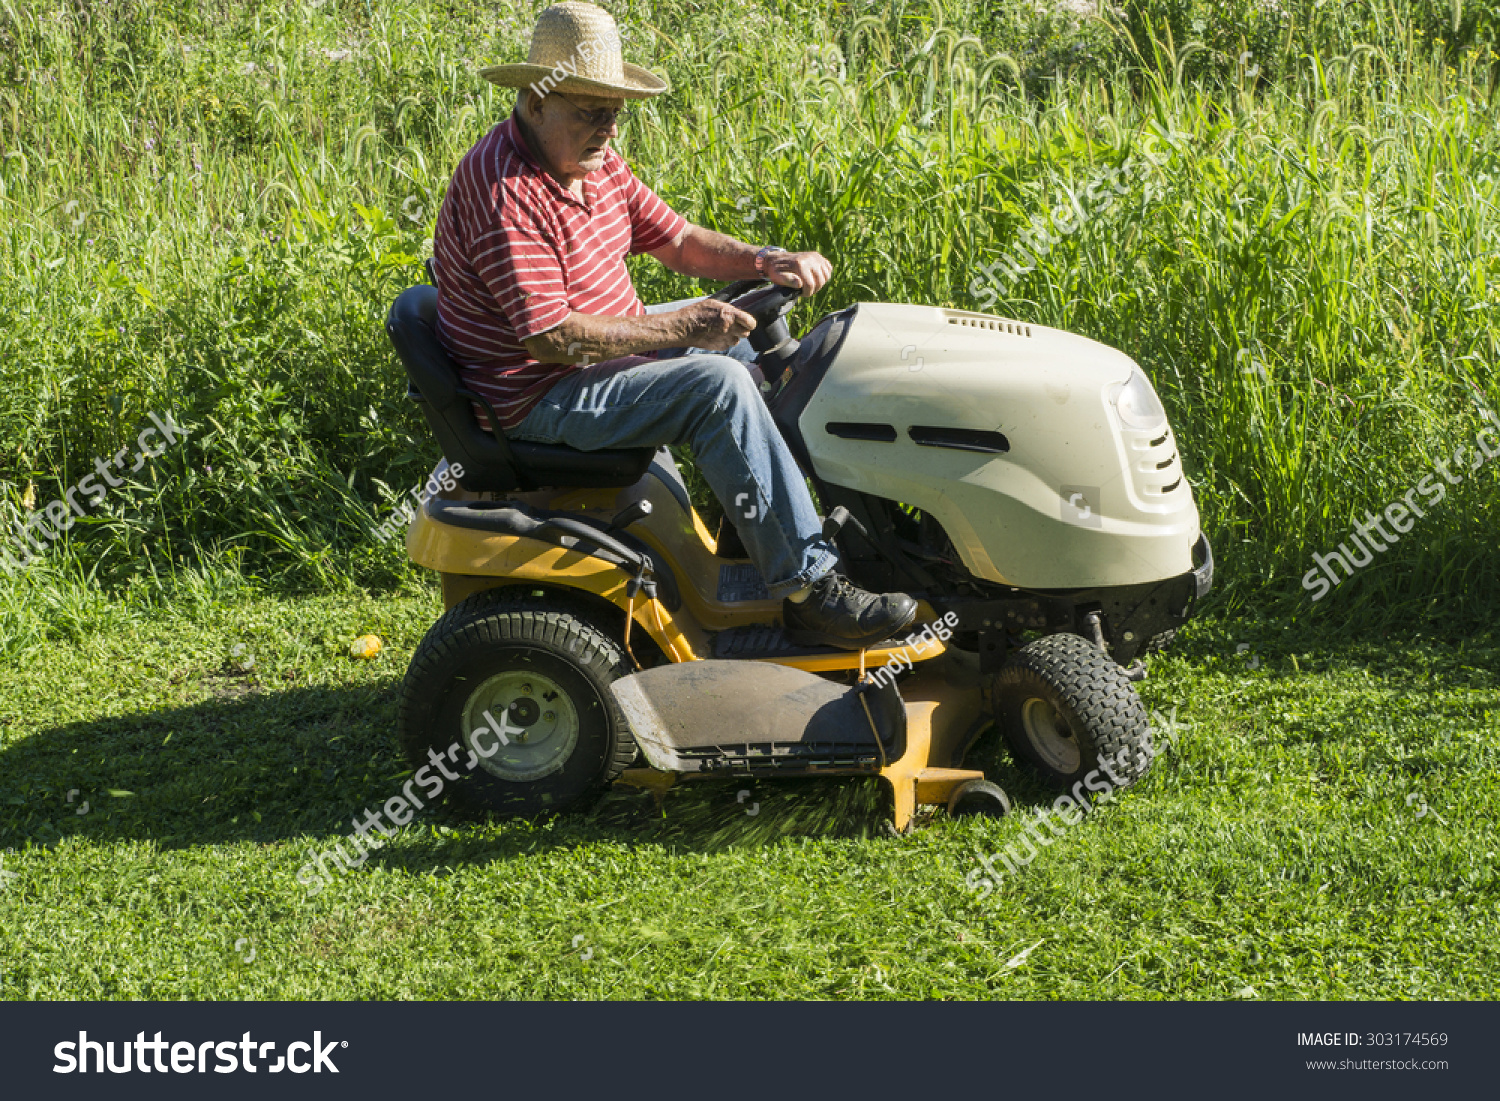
point(510, 614)
point(1091, 686)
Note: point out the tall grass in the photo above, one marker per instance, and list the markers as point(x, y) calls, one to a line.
point(207, 208)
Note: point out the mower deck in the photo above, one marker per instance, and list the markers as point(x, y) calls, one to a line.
point(941, 713)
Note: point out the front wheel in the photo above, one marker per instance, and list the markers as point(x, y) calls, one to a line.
point(507, 706)
point(1066, 708)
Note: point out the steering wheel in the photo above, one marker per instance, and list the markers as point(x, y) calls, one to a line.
point(768, 303)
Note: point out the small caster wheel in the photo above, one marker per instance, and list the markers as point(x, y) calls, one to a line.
point(978, 797)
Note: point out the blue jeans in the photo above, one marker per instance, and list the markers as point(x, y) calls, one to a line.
point(708, 401)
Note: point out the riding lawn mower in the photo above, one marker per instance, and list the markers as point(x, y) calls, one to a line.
point(1021, 482)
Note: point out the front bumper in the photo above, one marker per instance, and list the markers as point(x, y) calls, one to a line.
point(1131, 616)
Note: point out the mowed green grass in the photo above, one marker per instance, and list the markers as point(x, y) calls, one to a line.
point(1324, 826)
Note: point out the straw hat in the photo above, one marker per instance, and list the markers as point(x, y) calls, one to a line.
point(575, 47)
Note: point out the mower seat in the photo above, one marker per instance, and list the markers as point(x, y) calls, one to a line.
point(491, 463)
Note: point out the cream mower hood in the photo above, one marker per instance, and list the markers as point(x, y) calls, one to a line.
point(1046, 456)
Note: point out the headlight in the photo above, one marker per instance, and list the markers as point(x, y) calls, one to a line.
point(1138, 405)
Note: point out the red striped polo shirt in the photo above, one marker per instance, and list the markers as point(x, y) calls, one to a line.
point(517, 252)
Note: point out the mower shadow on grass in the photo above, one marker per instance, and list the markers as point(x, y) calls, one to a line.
point(258, 765)
point(306, 763)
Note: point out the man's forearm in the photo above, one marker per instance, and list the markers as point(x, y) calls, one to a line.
point(709, 255)
point(705, 254)
point(593, 338)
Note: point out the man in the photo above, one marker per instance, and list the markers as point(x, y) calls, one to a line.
point(536, 305)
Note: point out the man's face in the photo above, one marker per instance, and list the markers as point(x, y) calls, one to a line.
point(571, 145)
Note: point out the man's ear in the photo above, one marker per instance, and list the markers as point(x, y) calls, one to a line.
point(530, 104)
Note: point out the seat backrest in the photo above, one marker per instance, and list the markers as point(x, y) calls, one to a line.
point(488, 465)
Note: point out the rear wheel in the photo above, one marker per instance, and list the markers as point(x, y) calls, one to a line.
point(1067, 708)
point(512, 696)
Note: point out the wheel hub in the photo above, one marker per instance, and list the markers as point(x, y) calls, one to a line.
point(1050, 734)
point(523, 713)
point(524, 721)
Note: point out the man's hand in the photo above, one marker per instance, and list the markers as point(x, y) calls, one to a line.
point(808, 270)
point(709, 255)
point(716, 326)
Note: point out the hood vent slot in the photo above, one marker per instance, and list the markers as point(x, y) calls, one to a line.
point(861, 430)
point(1014, 328)
point(960, 439)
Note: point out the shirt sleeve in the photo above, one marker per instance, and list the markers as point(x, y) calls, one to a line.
point(652, 222)
point(518, 259)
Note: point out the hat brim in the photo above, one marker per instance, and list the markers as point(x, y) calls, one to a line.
point(638, 83)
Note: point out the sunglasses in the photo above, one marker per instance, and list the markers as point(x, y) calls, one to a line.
point(601, 119)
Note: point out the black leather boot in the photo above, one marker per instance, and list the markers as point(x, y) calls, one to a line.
point(839, 613)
